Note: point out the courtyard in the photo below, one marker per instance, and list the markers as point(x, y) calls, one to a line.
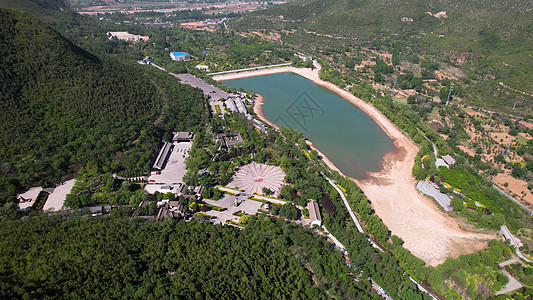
point(172, 173)
point(246, 206)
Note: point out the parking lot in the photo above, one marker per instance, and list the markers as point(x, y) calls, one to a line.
point(213, 92)
point(32, 194)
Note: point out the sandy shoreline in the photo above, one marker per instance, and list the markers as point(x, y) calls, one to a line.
point(259, 111)
point(428, 233)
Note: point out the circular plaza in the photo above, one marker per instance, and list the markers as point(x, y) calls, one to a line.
point(253, 177)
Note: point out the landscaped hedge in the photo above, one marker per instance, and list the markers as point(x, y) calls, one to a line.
point(40, 201)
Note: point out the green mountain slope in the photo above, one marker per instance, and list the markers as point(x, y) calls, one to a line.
point(62, 107)
point(53, 12)
point(471, 23)
point(494, 38)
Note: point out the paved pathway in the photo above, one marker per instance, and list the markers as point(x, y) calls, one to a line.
point(341, 248)
point(213, 92)
point(334, 240)
point(341, 193)
point(509, 262)
point(381, 291)
point(507, 234)
point(511, 198)
point(249, 69)
point(360, 229)
point(512, 285)
point(428, 189)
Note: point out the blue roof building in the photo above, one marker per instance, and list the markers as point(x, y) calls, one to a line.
point(179, 55)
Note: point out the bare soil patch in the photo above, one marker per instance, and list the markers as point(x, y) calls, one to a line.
point(428, 233)
point(515, 186)
point(526, 124)
point(501, 137)
point(467, 150)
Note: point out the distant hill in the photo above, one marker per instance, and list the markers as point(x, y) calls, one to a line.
point(62, 107)
point(85, 31)
point(463, 24)
point(52, 12)
point(496, 37)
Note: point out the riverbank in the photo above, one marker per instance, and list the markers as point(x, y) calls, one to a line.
point(427, 232)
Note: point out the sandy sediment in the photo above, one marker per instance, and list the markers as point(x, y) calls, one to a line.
point(302, 71)
point(427, 232)
point(259, 111)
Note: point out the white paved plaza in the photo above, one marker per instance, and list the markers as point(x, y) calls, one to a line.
point(253, 177)
point(175, 166)
point(57, 197)
point(245, 205)
point(32, 194)
point(162, 188)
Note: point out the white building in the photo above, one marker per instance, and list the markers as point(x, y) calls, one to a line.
point(126, 36)
point(240, 106)
point(146, 60)
point(230, 103)
point(202, 67)
point(177, 56)
point(314, 213)
point(448, 160)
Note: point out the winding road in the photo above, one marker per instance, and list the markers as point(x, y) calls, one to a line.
point(360, 229)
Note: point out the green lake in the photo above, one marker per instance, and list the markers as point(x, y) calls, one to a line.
point(339, 129)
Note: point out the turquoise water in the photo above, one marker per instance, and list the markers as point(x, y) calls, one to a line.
point(339, 129)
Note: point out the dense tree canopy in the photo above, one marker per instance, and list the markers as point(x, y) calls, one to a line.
point(42, 257)
point(62, 107)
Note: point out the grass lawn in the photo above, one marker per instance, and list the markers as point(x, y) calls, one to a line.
point(217, 208)
point(521, 140)
point(402, 100)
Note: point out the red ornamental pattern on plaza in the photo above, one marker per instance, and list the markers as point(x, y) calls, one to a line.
point(253, 177)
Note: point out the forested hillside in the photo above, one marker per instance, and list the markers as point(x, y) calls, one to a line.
point(62, 107)
point(52, 12)
point(117, 258)
point(480, 43)
point(467, 25)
